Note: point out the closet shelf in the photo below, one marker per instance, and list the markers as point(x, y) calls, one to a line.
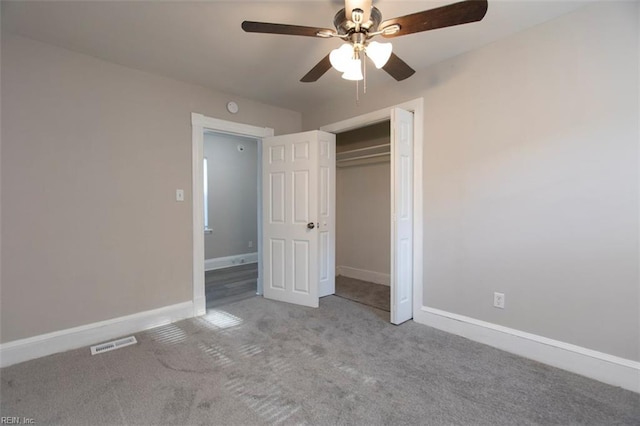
point(363, 153)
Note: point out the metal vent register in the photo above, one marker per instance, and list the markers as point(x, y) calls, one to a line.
point(110, 346)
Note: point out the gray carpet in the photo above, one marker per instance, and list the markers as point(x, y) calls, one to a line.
point(263, 362)
point(371, 294)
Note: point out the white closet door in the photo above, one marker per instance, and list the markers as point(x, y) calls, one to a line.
point(401, 215)
point(327, 213)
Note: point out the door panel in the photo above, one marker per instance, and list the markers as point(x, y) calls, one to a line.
point(402, 215)
point(276, 195)
point(278, 254)
point(301, 267)
point(301, 190)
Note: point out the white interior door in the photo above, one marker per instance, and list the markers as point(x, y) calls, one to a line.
point(402, 215)
point(298, 239)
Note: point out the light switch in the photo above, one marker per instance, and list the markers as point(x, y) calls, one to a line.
point(179, 194)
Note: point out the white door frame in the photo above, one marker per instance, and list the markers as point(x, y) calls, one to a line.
point(417, 107)
point(199, 124)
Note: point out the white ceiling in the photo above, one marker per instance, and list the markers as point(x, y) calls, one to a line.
point(202, 42)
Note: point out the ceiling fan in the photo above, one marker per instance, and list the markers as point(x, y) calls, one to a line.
point(359, 22)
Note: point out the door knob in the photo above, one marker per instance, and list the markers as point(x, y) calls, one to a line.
point(311, 225)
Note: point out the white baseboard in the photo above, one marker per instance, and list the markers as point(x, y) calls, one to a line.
point(596, 365)
point(228, 261)
point(364, 275)
point(90, 334)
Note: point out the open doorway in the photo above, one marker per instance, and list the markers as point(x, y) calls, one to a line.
point(363, 215)
point(200, 126)
point(230, 181)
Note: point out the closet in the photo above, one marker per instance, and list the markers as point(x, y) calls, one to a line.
point(363, 221)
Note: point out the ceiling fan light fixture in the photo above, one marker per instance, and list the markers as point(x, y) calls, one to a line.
point(341, 57)
point(379, 53)
point(354, 70)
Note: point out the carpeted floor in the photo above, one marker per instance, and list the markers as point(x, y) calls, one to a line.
point(370, 294)
point(263, 362)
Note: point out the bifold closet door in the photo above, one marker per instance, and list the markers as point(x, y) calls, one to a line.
point(401, 215)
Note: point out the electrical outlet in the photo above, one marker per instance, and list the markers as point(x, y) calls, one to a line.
point(498, 300)
point(250, 244)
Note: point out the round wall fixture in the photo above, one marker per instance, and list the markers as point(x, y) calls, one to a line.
point(232, 107)
point(240, 148)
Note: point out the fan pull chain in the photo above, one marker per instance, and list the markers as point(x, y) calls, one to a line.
point(364, 81)
point(364, 74)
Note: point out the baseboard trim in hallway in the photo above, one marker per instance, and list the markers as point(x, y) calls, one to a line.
point(229, 261)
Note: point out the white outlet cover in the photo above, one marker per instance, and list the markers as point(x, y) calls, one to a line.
point(498, 300)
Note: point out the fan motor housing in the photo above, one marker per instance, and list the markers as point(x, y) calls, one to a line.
point(347, 26)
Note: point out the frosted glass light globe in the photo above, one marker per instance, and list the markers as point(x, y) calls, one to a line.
point(354, 70)
point(379, 53)
point(340, 57)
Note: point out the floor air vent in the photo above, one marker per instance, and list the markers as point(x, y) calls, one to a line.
point(110, 346)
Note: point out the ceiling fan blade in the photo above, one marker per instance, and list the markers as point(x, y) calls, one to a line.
point(446, 16)
point(318, 71)
point(397, 68)
point(269, 28)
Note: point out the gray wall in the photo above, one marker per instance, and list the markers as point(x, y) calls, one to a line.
point(531, 178)
point(233, 195)
point(363, 212)
point(92, 154)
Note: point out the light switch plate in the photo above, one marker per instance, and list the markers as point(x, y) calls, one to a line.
point(179, 194)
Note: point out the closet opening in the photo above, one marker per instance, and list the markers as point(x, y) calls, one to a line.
point(363, 215)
